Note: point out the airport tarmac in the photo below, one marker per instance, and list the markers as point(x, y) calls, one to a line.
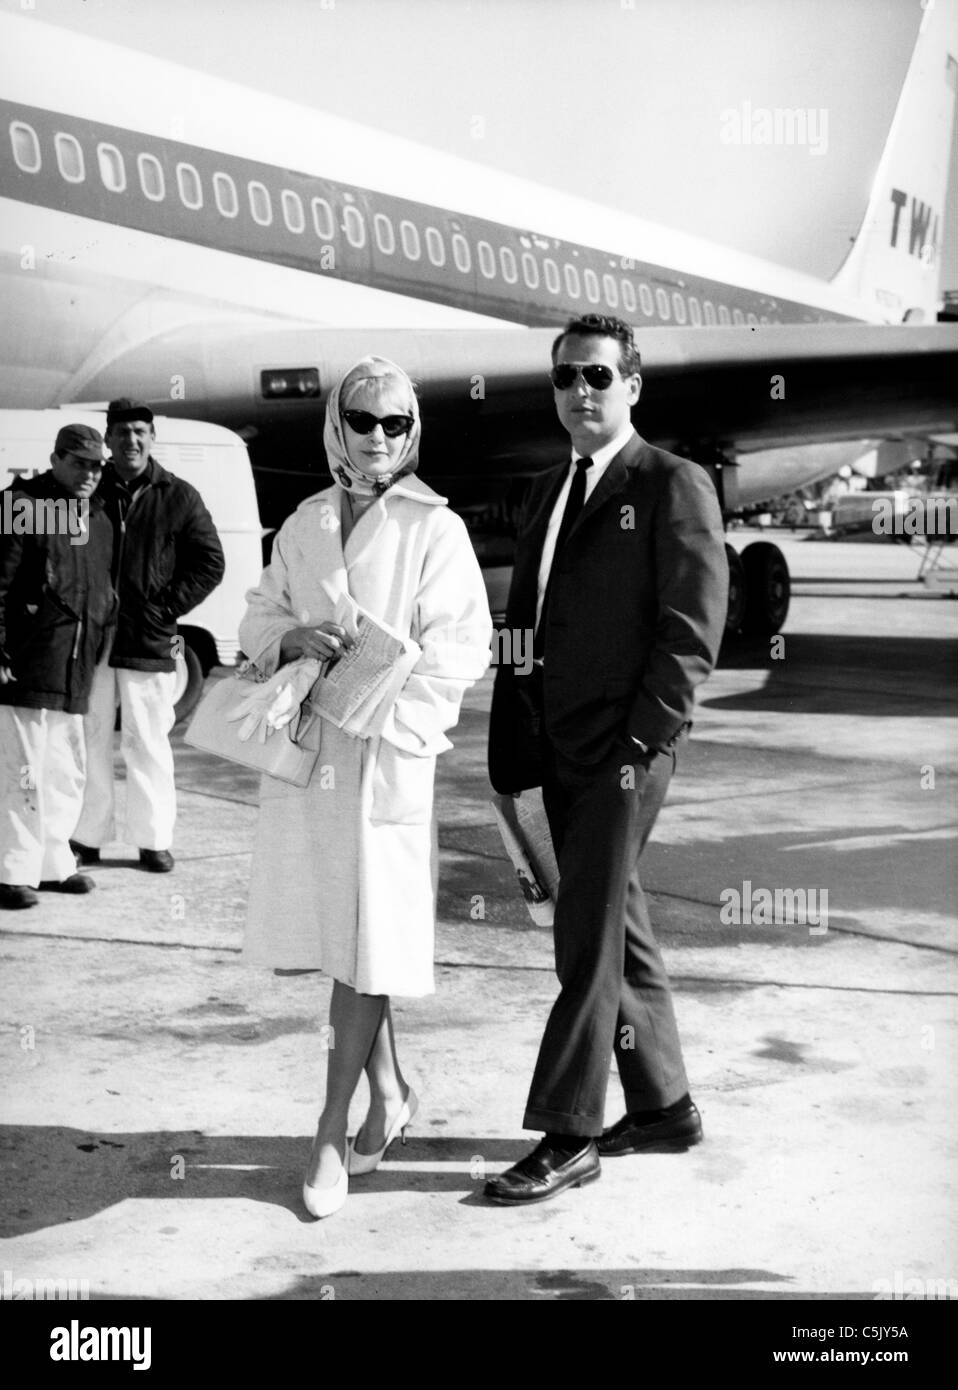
point(159, 1098)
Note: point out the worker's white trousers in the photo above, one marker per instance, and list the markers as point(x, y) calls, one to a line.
point(146, 718)
point(42, 768)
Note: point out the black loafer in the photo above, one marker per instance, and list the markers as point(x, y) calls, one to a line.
point(674, 1135)
point(156, 861)
point(543, 1174)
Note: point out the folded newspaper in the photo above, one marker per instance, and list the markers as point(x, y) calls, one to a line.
point(525, 833)
point(354, 688)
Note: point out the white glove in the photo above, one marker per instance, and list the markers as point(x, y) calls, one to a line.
point(300, 677)
point(272, 704)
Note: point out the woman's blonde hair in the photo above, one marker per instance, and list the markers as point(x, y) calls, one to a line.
point(370, 371)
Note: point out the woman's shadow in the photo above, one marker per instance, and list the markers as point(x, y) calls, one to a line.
point(54, 1175)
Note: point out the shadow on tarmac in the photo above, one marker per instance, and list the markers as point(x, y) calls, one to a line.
point(868, 669)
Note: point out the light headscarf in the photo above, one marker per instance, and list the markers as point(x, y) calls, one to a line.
point(340, 465)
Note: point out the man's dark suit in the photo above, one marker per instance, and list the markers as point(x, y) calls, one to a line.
point(635, 615)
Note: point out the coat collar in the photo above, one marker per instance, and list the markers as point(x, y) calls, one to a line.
point(154, 473)
point(367, 528)
point(613, 480)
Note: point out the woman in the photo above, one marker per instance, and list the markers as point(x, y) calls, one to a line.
point(344, 870)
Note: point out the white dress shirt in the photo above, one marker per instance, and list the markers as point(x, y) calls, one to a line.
point(600, 462)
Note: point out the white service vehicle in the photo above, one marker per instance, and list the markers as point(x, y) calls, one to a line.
point(216, 462)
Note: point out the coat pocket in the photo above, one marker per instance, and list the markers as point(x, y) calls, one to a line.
point(402, 787)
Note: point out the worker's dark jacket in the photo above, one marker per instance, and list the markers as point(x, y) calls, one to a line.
point(56, 599)
point(167, 558)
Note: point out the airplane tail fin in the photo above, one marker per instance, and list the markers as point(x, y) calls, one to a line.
point(894, 262)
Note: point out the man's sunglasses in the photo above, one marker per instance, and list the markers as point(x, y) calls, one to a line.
point(361, 422)
point(594, 374)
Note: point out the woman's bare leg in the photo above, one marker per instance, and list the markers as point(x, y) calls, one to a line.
point(387, 1086)
point(355, 1022)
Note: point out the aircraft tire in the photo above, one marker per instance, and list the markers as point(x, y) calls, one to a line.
point(767, 589)
point(736, 590)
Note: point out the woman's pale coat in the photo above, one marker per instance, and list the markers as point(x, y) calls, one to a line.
point(344, 870)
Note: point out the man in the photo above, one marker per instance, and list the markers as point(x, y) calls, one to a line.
point(620, 568)
point(56, 606)
point(167, 559)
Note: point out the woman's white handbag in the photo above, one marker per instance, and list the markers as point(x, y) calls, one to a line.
point(221, 725)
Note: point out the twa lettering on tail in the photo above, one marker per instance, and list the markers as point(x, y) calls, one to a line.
point(922, 228)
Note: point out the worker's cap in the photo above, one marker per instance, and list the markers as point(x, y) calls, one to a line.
point(81, 440)
point(124, 409)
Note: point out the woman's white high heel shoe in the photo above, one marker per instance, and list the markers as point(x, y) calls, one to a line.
point(323, 1201)
point(368, 1163)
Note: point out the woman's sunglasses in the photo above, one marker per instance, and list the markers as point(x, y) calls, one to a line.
point(361, 422)
point(594, 374)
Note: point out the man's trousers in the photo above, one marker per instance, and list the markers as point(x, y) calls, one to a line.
point(615, 997)
point(42, 762)
point(146, 717)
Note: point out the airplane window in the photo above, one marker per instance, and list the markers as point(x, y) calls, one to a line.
point(678, 305)
point(260, 204)
point(573, 288)
point(530, 270)
point(591, 286)
point(354, 226)
point(695, 312)
point(69, 158)
point(629, 302)
point(611, 291)
point(724, 315)
point(409, 234)
point(293, 214)
point(752, 319)
point(551, 272)
point(224, 191)
point(662, 302)
point(709, 308)
point(461, 253)
point(191, 190)
point(738, 317)
point(507, 260)
point(435, 246)
point(385, 236)
point(112, 171)
point(645, 299)
point(26, 147)
point(323, 219)
point(487, 259)
point(152, 181)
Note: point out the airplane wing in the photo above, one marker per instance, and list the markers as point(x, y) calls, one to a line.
point(714, 394)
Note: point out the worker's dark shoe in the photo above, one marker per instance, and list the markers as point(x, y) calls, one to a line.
point(76, 883)
point(85, 854)
point(156, 861)
point(14, 895)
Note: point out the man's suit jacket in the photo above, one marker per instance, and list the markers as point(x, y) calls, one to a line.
point(636, 612)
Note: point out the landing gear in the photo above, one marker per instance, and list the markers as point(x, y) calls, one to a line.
point(759, 590)
point(736, 590)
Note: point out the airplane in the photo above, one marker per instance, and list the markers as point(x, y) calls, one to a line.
point(226, 255)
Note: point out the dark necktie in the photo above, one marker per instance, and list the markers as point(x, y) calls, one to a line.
point(573, 506)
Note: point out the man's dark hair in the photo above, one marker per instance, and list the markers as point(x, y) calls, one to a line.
point(603, 326)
